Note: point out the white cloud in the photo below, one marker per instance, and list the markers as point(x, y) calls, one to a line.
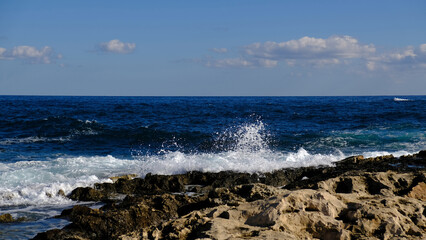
point(408, 57)
point(308, 48)
point(371, 65)
point(423, 48)
point(117, 46)
point(240, 62)
point(220, 50)
point(320, 52)
point(229, 62)
point(44, 55)
point(267, 63)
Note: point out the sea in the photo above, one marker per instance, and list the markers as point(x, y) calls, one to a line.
point(57, 143)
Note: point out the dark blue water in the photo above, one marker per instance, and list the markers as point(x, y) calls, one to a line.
point(59, 143)
point(39, 127)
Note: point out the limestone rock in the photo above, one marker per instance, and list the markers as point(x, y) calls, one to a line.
point(418, 192)
point(359, 198)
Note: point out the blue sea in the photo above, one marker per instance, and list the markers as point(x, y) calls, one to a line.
point(53, 143)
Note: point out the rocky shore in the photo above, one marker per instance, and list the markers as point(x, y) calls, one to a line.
point(358, 198)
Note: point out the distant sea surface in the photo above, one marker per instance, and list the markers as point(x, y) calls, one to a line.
point(57, 143)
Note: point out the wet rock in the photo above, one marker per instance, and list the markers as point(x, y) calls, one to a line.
point(350, 160)
point(421, 154)
point(8, 218)
point(86, 194)
point(126, 177)
point(358, 198)
point(61, 193)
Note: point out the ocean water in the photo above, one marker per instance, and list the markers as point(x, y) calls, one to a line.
point(53, 143)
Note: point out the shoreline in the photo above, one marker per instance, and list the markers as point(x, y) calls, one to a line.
point(375, 198)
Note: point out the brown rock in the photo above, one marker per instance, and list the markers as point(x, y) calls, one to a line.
point(418, 192)
point(350, 160)
point(6, 218)
point(373, 198)
point(125, 177)
point(86, 194)
point(61, 193)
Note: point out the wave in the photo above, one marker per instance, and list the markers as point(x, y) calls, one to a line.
point(50, 130)
point(247, 150)
point(401, 99)
point(38, 182)
point(33, 139)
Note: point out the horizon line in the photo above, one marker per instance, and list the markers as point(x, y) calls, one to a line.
point(71, 95)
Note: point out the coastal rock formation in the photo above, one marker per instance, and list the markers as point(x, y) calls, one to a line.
point(8, 218)
point(359, 198)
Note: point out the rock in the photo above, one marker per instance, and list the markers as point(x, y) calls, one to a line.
point(126, 177)
point(418, 192)
point(8, 218)
point(350, 160)
point(61, 193)
point(359, 198)
point(421, 154)
point(253, 192)
point(86, 194)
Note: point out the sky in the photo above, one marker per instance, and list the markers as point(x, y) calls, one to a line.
point(213, 48)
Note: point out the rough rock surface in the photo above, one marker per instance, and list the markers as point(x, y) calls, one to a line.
point(8, 218)
point(359, 198)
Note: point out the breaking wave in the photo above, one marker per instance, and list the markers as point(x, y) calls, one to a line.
point(247, 150)
point(401, 99)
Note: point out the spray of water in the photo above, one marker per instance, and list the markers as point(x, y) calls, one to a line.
point(243, 148)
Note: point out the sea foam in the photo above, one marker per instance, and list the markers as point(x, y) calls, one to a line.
point(38, 182)
point(401, 99)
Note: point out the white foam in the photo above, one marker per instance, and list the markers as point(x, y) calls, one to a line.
point(38, 182)
point(263, 160)
point(34, 139)
point(383, 153)
point(401, 99)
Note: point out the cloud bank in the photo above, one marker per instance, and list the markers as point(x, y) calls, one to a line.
point(409, 57)
point(44, 55)
point(117, 46)
point(322, 51)
point(309, 48)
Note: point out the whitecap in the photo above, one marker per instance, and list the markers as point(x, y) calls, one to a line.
point(396, 99)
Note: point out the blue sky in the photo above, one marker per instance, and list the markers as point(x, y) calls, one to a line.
point(279, 48)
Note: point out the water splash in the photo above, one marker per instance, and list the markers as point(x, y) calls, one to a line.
point(247, 137)
point(243, 148)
